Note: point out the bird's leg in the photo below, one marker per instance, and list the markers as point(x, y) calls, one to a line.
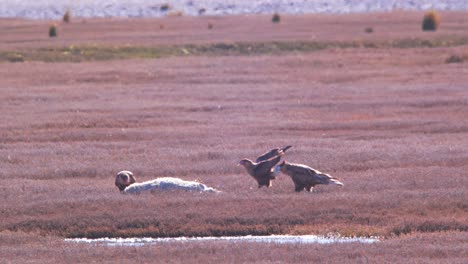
point(310, 188)
point(298, 187)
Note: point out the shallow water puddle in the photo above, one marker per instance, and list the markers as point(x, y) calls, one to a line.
point(279, 239)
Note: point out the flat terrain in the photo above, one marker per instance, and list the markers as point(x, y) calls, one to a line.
point(384, 112)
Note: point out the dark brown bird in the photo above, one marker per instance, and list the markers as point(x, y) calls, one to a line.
point(272, 153)
point(263, 171)
point(305, 177)
point(124, 179)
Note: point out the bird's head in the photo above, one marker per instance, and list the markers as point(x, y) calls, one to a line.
point(245, 163)
point(282, 166)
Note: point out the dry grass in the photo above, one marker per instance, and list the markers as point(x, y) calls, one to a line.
point(402, 163)
point(444, 247)
point(74, 53)
point(389, 122)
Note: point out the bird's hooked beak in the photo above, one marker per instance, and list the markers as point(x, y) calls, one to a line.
point(241, 162)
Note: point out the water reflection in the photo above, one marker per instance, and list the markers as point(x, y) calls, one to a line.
point(279, 239)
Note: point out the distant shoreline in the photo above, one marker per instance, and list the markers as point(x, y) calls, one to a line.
point(46, 9)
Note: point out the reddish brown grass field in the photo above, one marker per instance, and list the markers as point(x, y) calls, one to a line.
point(389, 121)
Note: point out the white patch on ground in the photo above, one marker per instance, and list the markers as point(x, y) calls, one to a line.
point(168, 183)
point(278, 239)
point(54, 9)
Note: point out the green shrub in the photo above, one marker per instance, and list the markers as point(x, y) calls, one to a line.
point(53, 31)
point(431, 21)
point(276, 18)
point(66, 16)
point(454, 59)
point(175, 13)
point(369, 30)
point(165, 7)
point(15, 57)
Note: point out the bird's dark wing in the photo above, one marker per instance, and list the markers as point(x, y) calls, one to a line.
point(263, 168)
point(268, 155)
point(272, 153)
point(299, 169)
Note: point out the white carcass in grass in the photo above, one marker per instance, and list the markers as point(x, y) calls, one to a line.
point(126, 183)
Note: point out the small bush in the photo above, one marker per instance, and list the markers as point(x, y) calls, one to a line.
point(454, 59)
point(276, 18)
point(15, 57)
point(53, 31)
point(66, 16)
point(175, 13)
point(210, 26)
point(369, 30)
point(201, 11)
point(431, 21)
point(165, 7)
